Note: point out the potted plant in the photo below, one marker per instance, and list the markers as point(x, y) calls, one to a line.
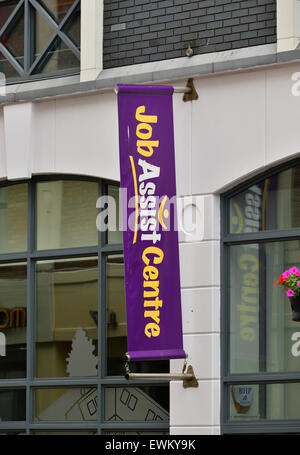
point(290, 280)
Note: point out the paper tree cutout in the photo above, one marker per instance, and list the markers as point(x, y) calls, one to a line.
point(81, 361)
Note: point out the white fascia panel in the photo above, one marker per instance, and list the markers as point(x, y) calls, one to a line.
point(18, 122)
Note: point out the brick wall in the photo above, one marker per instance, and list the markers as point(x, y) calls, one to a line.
point(140, 31)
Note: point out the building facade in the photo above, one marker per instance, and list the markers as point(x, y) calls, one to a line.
point(237, 147)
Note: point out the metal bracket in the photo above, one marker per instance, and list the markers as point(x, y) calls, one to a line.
point(189, 379)
point(192, 94)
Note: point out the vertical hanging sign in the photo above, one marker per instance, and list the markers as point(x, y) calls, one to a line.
point(151, 257)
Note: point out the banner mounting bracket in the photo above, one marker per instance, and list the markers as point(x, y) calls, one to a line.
point(189, 91)
point(188, 378)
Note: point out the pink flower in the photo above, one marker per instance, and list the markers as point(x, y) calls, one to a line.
point(290, 293)
point(298, 284)
point(286, 274)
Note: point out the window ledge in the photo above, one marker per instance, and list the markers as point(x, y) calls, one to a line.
point(167, 70)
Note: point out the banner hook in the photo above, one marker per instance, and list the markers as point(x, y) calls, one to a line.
point(189, 379)
point(190, 93)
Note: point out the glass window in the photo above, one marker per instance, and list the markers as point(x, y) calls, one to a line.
point(13, 218)
point(264, 402)
point(63, 319)
point(261, 337)
point(67, 303)
point(272, 203)
point(66, 214)
point(13, 319)
point(51, 44)
point(138, 404)
point(114, 234)
point(66, 405)
point(12, 405)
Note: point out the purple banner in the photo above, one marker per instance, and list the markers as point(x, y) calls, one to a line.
point(151, 257)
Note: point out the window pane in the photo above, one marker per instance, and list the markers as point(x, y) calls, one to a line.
point(271, 204)
point(114, 234)
point(13, 309)
point(73, 404)
point(12, 405)
point(57, 8)
point(262, 334)
point(6, 8)
point(67, 318)
point(66, 214)
point(7, 69)
point(72, 29)
point(264, 401)
point(13, 218)
point(43, 33)
point(13, 38)
point(140, 404)
point(59, 57)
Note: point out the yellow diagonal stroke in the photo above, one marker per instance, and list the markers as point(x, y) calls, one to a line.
point(136, 198)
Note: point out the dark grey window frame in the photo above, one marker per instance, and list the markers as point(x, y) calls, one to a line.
point(30, 383)
point(28, 72)
point(227, 239)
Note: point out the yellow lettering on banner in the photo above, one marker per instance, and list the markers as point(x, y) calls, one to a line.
point(153, 250)
point(150, 272)
point(152, 330)
point(144, 127)
point(143, 145)
point(154, 285)
point(144, 118)
point(156, 303)
point(153, 315)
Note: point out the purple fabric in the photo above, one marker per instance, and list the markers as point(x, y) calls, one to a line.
point(151, 257)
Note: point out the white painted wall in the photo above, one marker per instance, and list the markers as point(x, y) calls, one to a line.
point(91, 37)
point(242, 123)
point(288, 25)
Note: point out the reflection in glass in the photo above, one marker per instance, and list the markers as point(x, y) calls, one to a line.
point(114, 234)
point(13, 319)
point(66, 214)
point(140, 404)
point(67, 317)
point(43, 33)
point(13, 218)
point(6, 8)
point(116, 324)
point(264, 401)
point(261, 329)
point(72, 404)
point(7, 69)
point(12, 405)
point(13, 38)
point(58, 57)
point(72, 29)
point(57, 8)
point(271, 204)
